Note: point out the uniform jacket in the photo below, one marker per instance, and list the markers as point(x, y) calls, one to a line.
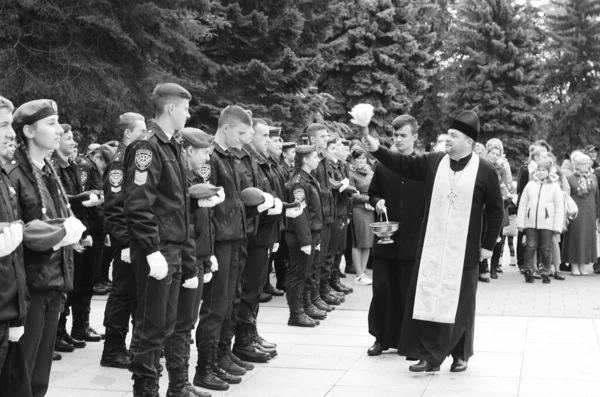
point(322, 175)
point(91, 179)
point(47, 270)
point(280, 180)
point(229, 217)
point(204, 230)
point(338, 172)
point(305, 188)
point(14, 296)
point(487, 197)
point(69, 173)
point(247, 168)
point(114, 200)
point(405, 201)
point(267, 232)
point(156, 208)
point(286, 170)
point(542, 206)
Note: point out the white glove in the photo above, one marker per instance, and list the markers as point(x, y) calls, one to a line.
point(269, 202)
point(207, 278)
point(380, 206)
point(318, 247)
point(15, 333)
point(92, 202)
point(87, 242)
point(107, 240)
point(369, 207)
point(73, 231)
point(209, 202)
point(293, 212)
point(191, 283)
point(278, 207)
point(306, 249)
point(10, 239)
point(275, 247)
point(126, 255)
point(485, 254)
point(158, 265)
point(214, 265)
point(345, 184)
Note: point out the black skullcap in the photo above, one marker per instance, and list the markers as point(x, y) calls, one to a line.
point(468, 123)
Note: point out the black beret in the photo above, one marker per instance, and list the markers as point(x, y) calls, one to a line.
point(251, 197)
point(196, 137)
point(274, 131)
point(305, 149)
point(66, 128)
point(108, 150)
point(93, 147)
point(203, 190)
point(30, 112)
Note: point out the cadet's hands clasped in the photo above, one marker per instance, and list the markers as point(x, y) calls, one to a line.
point(159, 268)
point(10, 239)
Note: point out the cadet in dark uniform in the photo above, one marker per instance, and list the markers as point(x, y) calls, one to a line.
point(196, 151)
point(339, 175)
point(120, 305)
point(79, 299)
point(49, 261)
point(258, 250)
point(318, 136)
point(303, 234)
point(14, 297)
point(157, 212)
point(229, 220)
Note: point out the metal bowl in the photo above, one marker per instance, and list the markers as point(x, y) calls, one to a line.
point(384, 230)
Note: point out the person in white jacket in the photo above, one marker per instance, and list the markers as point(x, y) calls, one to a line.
point(541, 215)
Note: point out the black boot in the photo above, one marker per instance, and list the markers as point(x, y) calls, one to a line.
point(221, 374)
point(269, 289)
point(529, 276)
point(245, 348)
point(325, 289)
point(177, 384)
point(260, 343)
point(205, 376)
point(115, 354)
point(310, 309)
point(238, 361)
point(297, 316)
point(189, 388)
point(337, 284)
point(81, 321)
point(143, 387)
point(319, 302)
point(225, 362)
point(350, 269)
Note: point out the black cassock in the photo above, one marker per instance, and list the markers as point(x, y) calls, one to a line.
point(393, 264)
point(434, 341)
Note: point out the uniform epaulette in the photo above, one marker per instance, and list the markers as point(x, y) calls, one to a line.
point(9, 167)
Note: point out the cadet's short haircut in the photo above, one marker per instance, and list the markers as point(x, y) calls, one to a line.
point(257, 121)
point(404, 120)
point(127, 121)
point(312, 129)
point(234, 114)
point(6, 104)
point(168, 93)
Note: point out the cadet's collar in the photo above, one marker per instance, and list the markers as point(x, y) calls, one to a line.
point(239, 153)
point(220, 149)
point(306, 175)
point(160, 134)
point(260, 159)
point(59, 160)
point(122, 147)
point(191, 176)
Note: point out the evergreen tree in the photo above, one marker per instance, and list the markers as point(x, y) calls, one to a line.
point(498, 71)
point(266, 58)
point(573, 68)
point(380, 52)
point(101, 58)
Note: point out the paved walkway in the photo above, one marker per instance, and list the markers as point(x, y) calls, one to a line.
point(531, 341)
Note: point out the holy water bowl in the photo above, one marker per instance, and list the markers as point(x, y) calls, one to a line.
point(384, 230)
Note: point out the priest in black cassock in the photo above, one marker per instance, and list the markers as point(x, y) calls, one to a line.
point(460, 187)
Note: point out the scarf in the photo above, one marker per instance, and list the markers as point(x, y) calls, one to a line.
point(363, 169)
point(585, 183)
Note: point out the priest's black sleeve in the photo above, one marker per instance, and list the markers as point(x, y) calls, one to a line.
point(494, 210)
point(374, 191)
point(412, 167)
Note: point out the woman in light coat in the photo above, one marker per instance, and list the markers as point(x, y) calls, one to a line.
point(541, 215)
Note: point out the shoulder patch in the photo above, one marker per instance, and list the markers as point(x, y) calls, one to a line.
point(140, 177)
point(84, 177)
point(205, 172)
point(299, 195)
point(143, 158)
point(115, 177)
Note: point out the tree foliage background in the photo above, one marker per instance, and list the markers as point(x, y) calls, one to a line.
point(530, 68)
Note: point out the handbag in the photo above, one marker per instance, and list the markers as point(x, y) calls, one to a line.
point(571, 210)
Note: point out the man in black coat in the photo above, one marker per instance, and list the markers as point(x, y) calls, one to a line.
point(393, 263)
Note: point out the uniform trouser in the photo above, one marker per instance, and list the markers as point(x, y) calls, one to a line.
point(341, 232)
point(280, 262)
point(37, 344)
point(156, 312)
point(218, 295)
point(92, 256)
point(236, 276)
point(108, 254)
point(14, 378)
point(322, 269)
point(177, 346)
point(79, 300)
point(121, 303)
point(253, 280)
point(300, 264)
point(3, 343)
point(348, 250)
